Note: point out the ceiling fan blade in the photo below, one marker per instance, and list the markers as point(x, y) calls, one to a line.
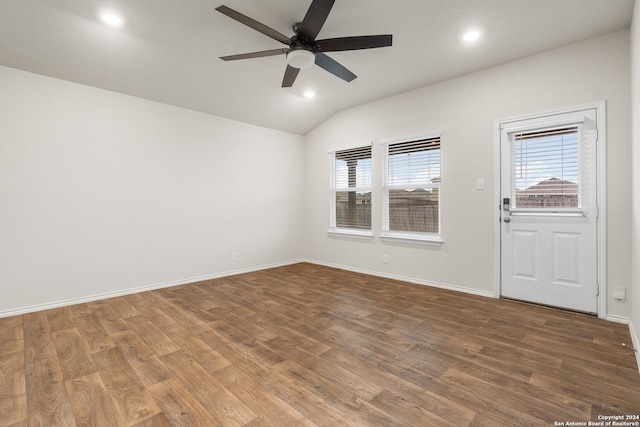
point(334, 67)
point(249, 22)
point(314, 19)
point(354, 43)
point(260, 54)
point(290, 75)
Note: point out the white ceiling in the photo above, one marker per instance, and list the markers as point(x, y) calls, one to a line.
point(168, 50)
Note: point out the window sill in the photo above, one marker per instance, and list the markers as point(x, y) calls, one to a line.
point(417, 238)
point(348, 232)
point(548, 212)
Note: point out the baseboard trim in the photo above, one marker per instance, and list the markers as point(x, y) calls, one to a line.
point(617, 319)
point(635, 342)
point(405, 279)
point(106, 295)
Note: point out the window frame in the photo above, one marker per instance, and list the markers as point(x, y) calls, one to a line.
point(561, 118)
point(549, 211)
point(333, 190)
point(409, 236)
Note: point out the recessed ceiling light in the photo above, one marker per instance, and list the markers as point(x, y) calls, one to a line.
point(112, 19)
point(309, 94)
point(471, 36)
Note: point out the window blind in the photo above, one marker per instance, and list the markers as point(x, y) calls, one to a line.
point(411, 197)
point(547, 168)
point(353, 168)
point(414, 163)
point(351, 189)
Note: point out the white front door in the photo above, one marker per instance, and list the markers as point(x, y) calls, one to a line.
point(549, 210)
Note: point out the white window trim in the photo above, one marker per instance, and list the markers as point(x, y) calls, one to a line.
point(350, 232)
point(418, 238)
point(403, 236)
point(547, 212)
point(343, 231)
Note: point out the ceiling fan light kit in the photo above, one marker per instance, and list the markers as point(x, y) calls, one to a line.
point(304, 50)
point(301, 58)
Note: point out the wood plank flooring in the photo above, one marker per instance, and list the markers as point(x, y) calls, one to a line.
point(306, 345)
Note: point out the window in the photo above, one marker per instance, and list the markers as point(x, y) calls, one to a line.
point(546, 169)
point(411, 189)
point(351, 191)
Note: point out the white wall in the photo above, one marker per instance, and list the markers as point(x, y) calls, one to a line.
point(635, 229)
point(101, 193)
point(465, 110)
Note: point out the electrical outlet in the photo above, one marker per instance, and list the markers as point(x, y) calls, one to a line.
point(385, 259)
point(619, 293)
point(234, 256)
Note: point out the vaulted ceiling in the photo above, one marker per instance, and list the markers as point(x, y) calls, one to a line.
point(168, 50)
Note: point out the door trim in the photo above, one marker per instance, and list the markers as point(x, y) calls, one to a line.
point(601, 195)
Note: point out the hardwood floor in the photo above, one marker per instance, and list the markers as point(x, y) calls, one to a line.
point(307, 345)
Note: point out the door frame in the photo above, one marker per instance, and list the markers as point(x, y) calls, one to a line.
point(601, 195)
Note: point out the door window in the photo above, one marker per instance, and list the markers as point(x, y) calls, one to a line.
point(546, 169)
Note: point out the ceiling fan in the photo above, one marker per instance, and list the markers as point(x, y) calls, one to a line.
point(303, 50)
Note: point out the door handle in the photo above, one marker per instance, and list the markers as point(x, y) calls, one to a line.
point(506, 206)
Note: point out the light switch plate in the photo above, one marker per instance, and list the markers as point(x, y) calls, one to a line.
point(480, 184)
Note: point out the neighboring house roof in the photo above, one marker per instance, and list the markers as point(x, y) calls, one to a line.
point(551, 186)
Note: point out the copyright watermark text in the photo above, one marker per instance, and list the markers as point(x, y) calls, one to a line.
point(604, 421)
